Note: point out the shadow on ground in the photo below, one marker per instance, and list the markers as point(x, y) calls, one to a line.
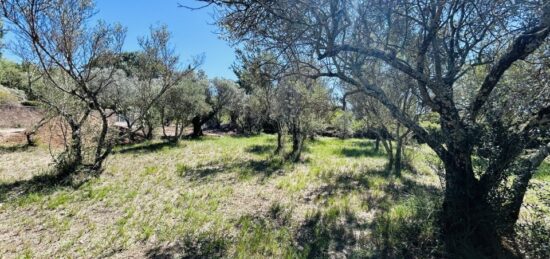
point(247, 168)
point(360, 149)
point(14, 148)
point(40, 184)
point(147, 147)
point(261, 149)
point(204, 246)
point(401, 222)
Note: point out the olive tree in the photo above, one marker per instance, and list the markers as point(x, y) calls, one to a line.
point(390, 132)
point(220, 95)
point(435, 44)
point(150, 72)
point(257, 75)
point(78, 67)
point(181, 103)
point(302, 107)
point(65, 48)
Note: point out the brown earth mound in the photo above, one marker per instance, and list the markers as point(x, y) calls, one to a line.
point(18, 116)
point(15, 120)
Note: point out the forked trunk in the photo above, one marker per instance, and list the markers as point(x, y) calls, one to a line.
point(468, 224)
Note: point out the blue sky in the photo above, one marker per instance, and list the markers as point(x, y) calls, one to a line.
point(193, 30)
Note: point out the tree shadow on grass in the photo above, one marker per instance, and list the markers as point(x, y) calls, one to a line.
point(359, 152)
point(204, 246)
point(261, 149)
point(327, 234)
point(361, 148)
point(147, 147)
point(248, 168)
point(40, 184)
point(14, 148)
point(400, 212)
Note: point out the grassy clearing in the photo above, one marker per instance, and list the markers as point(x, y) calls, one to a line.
point(224, 197)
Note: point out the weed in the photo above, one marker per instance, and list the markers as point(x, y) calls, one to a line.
point(181, 169)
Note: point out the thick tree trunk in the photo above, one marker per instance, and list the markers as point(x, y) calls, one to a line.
point(197, 127)
point(468, 223)
point(30, 140)
point(75, 148)
point(68, 161)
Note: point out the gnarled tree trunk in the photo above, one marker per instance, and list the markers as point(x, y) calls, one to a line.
point(197, 127)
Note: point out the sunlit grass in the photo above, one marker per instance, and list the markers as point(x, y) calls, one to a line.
point(231, 197)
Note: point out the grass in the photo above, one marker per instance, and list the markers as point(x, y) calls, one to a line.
point(543, 173)
point(224, 197)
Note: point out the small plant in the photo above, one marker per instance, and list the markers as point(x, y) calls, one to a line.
point(151, 170)
point(147, 231)
point(181, 169)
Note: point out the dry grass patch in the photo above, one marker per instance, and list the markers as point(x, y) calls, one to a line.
point(223, 197)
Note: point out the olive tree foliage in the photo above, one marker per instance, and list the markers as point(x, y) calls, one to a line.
point(222, 95)
point(301, 109)
point(436, 45)
point(257, 75)
point(10, 74)
point(76, 62)
point(57, 37)
point(181, 103)
point(149, 73)
point(390, 132)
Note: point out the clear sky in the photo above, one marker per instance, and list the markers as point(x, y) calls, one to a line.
point(193, 30)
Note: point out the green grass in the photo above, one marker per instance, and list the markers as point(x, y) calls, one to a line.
point(229, 197)
point(543, 173)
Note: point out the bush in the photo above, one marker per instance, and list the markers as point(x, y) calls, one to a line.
point(10, 96)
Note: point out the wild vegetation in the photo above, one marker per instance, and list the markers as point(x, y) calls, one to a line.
point(231, 197)
point(354, 129)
